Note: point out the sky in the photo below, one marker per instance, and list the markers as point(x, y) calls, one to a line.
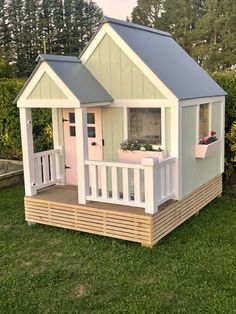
point(119, 9)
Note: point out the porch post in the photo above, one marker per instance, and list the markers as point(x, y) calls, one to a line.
point(58, 143)
point(81, 153)
point(27, 150)
point(151, 184)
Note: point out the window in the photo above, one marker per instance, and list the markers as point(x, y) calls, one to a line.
point(204, 113)
point(90, 118)
point(145, 125)
point(71, 117)
point(90, 122)
point(72, 131)
point(71, 120)
point(91, 131)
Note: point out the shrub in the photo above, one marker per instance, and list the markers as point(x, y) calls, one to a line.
point(227, 80)
point(10, 139)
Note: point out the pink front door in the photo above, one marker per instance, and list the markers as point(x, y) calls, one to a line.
point(94, 140)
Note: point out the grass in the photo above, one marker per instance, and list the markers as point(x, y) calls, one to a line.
point(50, 270)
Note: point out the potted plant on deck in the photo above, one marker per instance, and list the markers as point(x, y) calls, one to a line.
point(134, 151)
point(207, 146)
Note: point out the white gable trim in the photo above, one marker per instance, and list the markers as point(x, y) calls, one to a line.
point(107, 29)
point(23, 100)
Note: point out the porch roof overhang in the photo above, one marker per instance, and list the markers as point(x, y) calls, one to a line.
point(81, 86)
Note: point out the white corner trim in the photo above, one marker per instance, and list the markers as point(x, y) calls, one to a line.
point(126, 123)
point(107, 29)
point(210, 117)
point(180, 153)
point(44, 67)
point(223, 135)
point(163, 128)
point(197, 122)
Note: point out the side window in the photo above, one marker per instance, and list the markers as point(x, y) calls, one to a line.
point(204, 120)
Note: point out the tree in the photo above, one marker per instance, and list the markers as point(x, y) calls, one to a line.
point(215, 35)
point(31, 39)
point(204, 28)
point(148, 12)
point(64, 25)
point(180, 18)
point(5, 34)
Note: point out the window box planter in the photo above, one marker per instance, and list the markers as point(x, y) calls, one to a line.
point(203, 151)
point(136, 156)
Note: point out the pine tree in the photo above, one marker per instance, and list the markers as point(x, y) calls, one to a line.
point(180, 18)
point(16, 18)
point(59, 26)
point(5, 34)
point(31, 40)
point(215, 35)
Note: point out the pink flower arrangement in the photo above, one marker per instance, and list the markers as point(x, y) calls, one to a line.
point(209, 139)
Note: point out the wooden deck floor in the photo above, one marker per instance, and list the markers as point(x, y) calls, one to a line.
point(68, 194)
point(58, 206)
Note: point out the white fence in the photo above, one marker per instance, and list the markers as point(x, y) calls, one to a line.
point(147, 185)
point(46, 168)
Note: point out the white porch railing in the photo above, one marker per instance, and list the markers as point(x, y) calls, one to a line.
point(147, 185)
point(46, 168)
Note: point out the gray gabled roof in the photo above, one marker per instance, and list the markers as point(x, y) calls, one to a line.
point(168, 61)
point(76, 77)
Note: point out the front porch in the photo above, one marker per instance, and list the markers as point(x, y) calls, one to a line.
point(146, 185)
point(58, 206)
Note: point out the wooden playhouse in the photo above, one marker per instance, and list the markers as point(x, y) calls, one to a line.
point(130, 82)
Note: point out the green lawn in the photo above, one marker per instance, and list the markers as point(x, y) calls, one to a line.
point(49, 270)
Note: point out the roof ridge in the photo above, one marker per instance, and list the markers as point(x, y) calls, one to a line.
point(107, 19)
point(57, 58)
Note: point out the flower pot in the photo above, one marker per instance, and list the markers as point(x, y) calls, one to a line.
point(204, 151)
point(136, 156)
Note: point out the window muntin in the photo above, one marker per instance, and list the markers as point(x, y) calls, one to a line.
point(145, 125)
point(90, 122)
point(204, 119)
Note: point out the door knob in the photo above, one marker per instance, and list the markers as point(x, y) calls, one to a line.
point(93, 143)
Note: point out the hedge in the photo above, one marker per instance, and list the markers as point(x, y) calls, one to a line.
point(227, 80)
point(10, 139)
point(10, 142)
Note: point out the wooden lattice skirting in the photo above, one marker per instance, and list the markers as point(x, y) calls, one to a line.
point(138, 227)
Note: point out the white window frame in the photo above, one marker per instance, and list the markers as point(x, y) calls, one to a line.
point(126, 122)
point(198, 120)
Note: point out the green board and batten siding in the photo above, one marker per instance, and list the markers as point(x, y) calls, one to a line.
point(123, 80)
point(46, 88)
point(198, 171)
point(112, 124)
point(118, 74)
